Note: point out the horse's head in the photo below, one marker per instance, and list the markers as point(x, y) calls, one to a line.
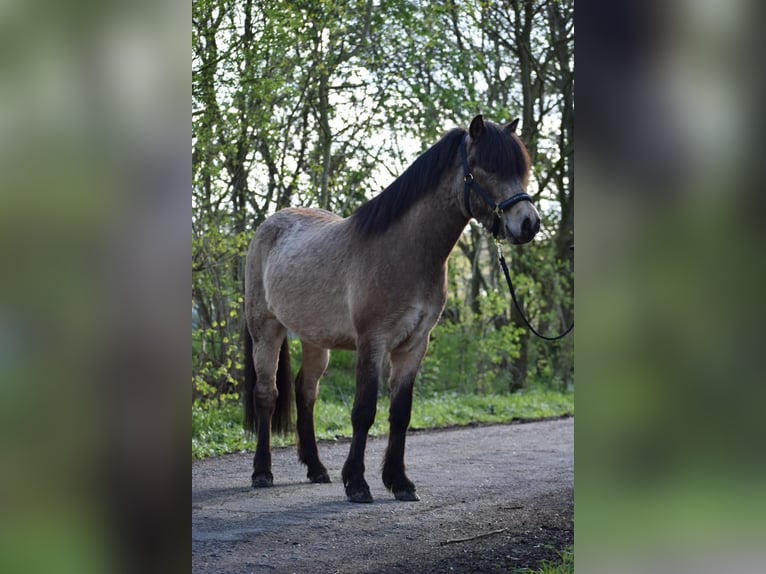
point(496, 171)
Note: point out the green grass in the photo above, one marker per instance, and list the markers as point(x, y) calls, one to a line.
point(217, 425)
point(563, 565)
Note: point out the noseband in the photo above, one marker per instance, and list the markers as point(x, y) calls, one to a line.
point(472, 184)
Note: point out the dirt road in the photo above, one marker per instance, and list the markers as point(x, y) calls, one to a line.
point(493, 499)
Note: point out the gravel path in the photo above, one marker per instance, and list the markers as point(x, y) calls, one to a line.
point(493, 499)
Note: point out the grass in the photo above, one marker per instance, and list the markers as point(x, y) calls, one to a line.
point(563, 565)
point(217, 425)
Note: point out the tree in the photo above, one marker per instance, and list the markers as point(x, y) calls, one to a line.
point(323, 103)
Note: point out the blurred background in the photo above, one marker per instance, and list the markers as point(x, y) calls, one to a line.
point(669, 470)
point(95, 178)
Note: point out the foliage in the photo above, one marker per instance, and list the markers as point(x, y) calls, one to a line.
point(216, 352)
point(473, 355)
point(217, 423)
point(322, 103)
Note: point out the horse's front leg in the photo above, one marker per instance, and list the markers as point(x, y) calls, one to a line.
point(369, 361)
point(404, 367)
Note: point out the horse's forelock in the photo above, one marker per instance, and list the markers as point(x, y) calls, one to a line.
point(502, 153)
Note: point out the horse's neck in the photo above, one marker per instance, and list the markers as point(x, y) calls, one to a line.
point(433, 226)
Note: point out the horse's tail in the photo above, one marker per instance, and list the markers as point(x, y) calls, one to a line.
point(250, 423)
point(281, 422)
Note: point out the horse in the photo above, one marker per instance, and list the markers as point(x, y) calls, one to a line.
point(374, 282)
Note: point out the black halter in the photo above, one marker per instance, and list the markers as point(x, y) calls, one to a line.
point(471, 183)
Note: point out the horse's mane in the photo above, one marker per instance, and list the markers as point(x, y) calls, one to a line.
point(377, 215)
point(496, 152)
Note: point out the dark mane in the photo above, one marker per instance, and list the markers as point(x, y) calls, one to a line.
point(421, 178)
point(500, 154)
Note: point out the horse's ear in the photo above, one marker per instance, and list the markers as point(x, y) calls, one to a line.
point(477, 127)
point(511, 128)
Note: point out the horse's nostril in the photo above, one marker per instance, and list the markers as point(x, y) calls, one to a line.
point(528, 228)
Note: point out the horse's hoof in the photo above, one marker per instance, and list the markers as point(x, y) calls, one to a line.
point(263, 481)
point(320, 478)
point(361, 495)
point(364, 497)
point(407, 496)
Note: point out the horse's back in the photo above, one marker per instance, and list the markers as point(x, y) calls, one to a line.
point(286, 232)
point(293, 220)
point(295, 272)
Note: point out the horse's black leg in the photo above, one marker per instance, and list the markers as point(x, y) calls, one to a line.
point(368, 365)
point(265, 357)
point(394, 477)
point(404, 366)
point(306, 387)
point(262, 460)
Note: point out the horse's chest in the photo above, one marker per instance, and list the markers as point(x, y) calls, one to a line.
point(413, 325)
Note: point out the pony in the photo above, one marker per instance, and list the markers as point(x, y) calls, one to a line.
point(374, 282)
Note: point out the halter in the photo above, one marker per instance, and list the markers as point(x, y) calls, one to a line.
point(471, 183)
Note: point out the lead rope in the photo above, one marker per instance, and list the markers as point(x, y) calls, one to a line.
point(516, 303)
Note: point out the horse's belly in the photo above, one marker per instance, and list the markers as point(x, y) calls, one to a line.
point(325, 336)
point(315, 320)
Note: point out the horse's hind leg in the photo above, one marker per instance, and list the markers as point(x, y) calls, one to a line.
point(314, 363)
point(404, 368)
point(369, 361)
point(267, 343)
